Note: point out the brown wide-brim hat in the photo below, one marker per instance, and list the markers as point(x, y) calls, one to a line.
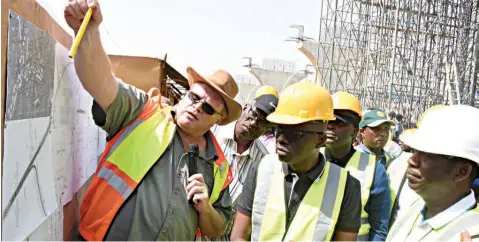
point(225, 85)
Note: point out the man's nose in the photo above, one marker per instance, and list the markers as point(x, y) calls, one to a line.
point(414, 160)
point(282, 139)
point(254, 122)
point(197, 106)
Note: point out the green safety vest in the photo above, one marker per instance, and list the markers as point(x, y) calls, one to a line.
point(317, 214)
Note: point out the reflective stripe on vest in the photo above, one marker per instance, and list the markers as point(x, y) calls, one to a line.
point(363, 167)
point(450, 232)
point(316, 216)
point(126, 160)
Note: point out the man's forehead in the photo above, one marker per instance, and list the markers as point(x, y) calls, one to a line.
point(206, 91)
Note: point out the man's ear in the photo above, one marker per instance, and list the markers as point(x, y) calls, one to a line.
point(355, 133)
point(463, 171)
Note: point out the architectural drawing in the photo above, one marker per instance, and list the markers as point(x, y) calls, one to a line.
point(28, 189)
point(75, 137)
point(51, 143)
point(30, 84)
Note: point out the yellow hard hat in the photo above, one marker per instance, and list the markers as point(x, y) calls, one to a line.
point(266, 90)
point(303, 102)
point(435, 107)
point(347, 101)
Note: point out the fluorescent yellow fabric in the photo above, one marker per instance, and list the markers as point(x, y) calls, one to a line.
point(142, 147)
point(451, 232)
point(316, 216)
point(362, 167)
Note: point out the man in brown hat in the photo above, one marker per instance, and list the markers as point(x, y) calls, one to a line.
point(147, 185)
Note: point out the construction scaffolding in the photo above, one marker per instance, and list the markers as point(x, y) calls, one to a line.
point(401, 55)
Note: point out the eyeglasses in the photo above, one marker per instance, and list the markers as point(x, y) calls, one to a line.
point(253, 115)
point(293, 135)
point(205, 107)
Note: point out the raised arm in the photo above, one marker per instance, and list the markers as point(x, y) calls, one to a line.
point(91, 62)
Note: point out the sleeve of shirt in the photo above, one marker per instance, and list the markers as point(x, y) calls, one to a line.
point(125, 109)
point(245, 203)
point(379, 205)
point(223, 205)
point(349, 219)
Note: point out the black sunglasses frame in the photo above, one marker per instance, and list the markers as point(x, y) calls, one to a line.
point(205, 107)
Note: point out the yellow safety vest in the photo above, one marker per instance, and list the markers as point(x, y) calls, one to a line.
point(316, 217)
point(397, 172)
point(362, 166)
point(450, 232)
point(125, 162)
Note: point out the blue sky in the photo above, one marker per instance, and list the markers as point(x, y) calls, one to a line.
point(208, 35)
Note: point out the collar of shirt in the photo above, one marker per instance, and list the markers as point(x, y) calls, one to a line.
point(210, 154)
point(314, 174)
point(363, 148)
point(451, 213)
point(341, 162)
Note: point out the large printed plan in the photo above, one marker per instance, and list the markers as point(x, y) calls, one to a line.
point(51, 144)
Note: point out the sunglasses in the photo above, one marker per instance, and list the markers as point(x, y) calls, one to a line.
point(293, 135)
point(205, 107)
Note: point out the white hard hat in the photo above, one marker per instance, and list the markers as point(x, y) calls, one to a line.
point(451, 130)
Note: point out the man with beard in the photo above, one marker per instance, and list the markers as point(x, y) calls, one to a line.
point(241, 146)
point(442, 171)
point(375, 192)
point(374, 132)
point(295, 195)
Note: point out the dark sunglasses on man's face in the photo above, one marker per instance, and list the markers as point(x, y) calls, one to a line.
point(293, 135)
point(205, 107)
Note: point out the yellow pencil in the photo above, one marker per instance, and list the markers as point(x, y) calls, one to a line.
point(81, 31)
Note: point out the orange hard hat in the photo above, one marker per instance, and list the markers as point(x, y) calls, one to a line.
point(264, 90)
point(347, 101)
point(303, 102)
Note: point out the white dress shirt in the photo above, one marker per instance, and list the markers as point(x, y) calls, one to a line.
point(423, 227)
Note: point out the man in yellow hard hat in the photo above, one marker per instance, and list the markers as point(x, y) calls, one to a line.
point(441, 170)
point(266, 90)
point(295, 195)
point(268, 139)
point(241, 146)
point(375, 191)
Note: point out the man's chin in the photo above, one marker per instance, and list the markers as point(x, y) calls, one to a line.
point(284, 158)
point(330, 142)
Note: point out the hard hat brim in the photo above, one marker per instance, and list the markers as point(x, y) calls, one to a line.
point(423, 142)
point(291, 120)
